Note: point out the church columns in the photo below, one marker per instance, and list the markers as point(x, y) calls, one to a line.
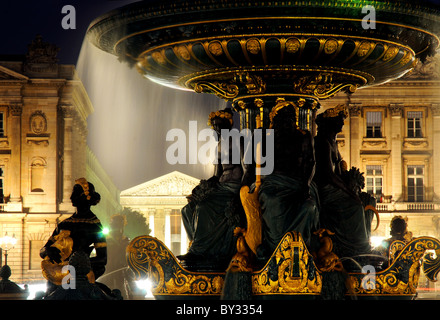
point(396, 110)
point(151, 214)
point(183, 239)
point(167, 213)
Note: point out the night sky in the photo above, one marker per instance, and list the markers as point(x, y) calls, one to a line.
point(22, 20)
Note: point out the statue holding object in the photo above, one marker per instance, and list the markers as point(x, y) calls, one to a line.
point(342, 210)
point(77, 235)
point(288, 197)
point(214, 209)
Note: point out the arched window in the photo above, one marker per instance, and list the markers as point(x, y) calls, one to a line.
point(38, 171)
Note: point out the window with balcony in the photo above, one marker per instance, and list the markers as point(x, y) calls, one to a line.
point(415, 185)
point(414, 124)
point(374, 181)
point(374, 124)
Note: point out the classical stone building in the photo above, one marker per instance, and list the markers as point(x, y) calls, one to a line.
point(43, 129)
point(160, 201)
point(393, 136)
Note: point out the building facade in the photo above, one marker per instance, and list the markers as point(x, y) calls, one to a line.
point(43, 130)
point(160, 201)
point(392, 134)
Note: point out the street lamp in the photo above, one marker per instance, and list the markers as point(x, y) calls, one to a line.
point(7, 243)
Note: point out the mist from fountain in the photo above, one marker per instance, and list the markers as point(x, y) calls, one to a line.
point(132, 115)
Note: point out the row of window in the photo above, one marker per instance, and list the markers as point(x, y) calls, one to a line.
point(415, 182)
point(375, 128)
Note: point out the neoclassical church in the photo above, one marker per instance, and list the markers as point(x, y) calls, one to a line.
point(160, 201)
point(43, 129)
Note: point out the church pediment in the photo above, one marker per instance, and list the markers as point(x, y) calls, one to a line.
point(171, 184)
point(7, 74)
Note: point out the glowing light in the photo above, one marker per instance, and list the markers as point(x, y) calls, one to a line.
point(34, 288)
point(376, 241)
point(145, 285)
point(105, 231)
point(8, 242)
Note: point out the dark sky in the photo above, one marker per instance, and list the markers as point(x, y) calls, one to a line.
point(21, 20)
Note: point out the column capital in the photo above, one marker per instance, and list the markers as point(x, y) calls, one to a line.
point(435, 108)
point(396, 109)
point(67, 110)
point(16, 109)
point(355, 109)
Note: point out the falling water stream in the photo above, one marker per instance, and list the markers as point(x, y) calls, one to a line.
point(132, 115)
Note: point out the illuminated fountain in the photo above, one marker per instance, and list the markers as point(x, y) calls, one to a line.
point(258, 54)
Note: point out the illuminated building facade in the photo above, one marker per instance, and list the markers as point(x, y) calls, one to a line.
point(392, 134)
point(160, 201)
point(43, 129)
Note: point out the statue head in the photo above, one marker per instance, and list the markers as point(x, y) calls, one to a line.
point(221, 119)
point(398, 226)
point(5, 272)
point(332, 119)
point(284, 114)
point(84, 194)
point(118, 222)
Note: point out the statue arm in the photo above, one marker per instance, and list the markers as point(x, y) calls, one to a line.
point(328, 170)
point(325, 166)
point(309, 158)
point(247, 163)
point(101, 256)
point(218, 168)
point(100, 245)
point(48, 250)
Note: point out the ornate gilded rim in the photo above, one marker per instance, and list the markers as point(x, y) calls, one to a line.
point(168, 42)
point(214, 59)
point(275, 34)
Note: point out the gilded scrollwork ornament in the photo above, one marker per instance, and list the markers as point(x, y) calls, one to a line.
point(402, 276)
point(223, 90)
point(291, 270)
point(323, 85)
point(149, 257)
point(254, 83)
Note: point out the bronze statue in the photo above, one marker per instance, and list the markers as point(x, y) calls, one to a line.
point(82, 232)
point(288, 197)
point(214, 208)
point(398, 232)
point(342, 210)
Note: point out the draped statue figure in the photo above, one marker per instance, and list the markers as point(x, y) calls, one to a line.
point(214, 209)
point(342, 209)
point(288, 197)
